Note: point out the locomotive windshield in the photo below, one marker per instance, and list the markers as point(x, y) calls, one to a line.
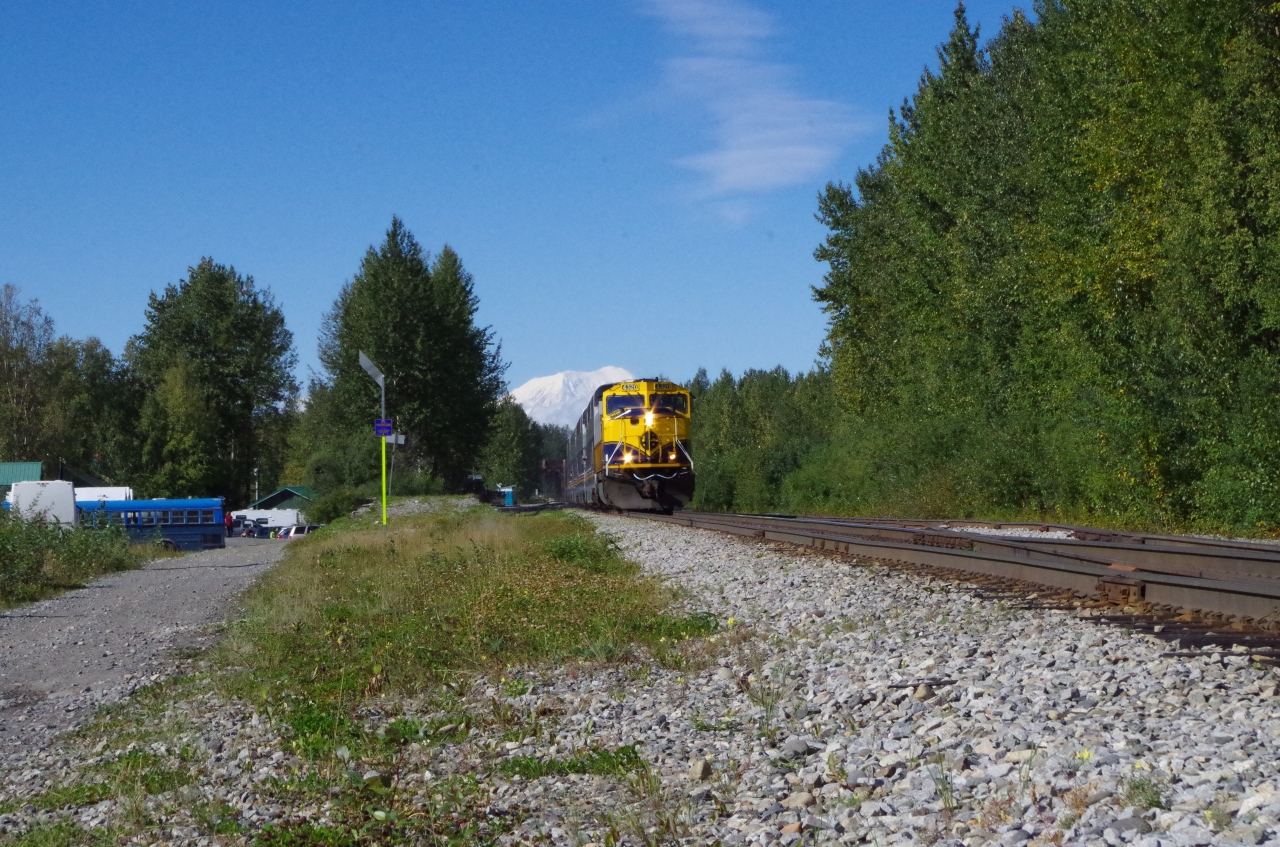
point(671, 403)
point(620, 403)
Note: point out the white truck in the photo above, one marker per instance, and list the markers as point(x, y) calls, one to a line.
point(51, 501)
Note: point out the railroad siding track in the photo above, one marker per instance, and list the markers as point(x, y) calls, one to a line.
point(1082, 533)
point(1206, 559)
point(1210, 583)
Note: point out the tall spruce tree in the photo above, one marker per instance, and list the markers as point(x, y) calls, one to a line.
point(416, 319)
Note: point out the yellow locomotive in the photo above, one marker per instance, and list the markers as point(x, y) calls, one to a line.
point(630, 449)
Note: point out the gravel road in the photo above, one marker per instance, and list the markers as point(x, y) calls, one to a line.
point(62, 657)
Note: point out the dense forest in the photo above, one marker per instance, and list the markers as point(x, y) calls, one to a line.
point(1056, 292)
point(203, 401)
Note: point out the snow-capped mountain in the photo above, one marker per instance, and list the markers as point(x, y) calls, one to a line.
point(560, 398)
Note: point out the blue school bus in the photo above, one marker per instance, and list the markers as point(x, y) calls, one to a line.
point(194, 524)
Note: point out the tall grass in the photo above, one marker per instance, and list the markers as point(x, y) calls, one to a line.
point(356, 611)
point(37, 559)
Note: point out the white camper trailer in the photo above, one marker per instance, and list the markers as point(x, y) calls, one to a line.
point(51, 501)
point(87, 497)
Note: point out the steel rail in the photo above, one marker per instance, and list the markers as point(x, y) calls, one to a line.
point(1227, 563)
point(1084, 533)
point(1090, 570)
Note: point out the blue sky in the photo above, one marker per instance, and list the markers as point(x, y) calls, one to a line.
point(631, 183)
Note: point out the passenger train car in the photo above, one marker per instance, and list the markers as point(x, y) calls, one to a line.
point(630, 449)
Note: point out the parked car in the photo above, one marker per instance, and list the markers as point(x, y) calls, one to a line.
point(299, 530)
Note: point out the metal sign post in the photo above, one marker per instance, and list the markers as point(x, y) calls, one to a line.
point(381, 426)
point(393, 440)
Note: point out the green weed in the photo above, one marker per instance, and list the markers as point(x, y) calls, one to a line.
point(1144, 793)
point(624, 760)
point(63, 834)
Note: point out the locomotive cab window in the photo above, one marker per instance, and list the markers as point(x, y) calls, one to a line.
point(622, 403)
point(669, 403)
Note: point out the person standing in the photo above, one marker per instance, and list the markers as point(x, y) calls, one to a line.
point(226, 521)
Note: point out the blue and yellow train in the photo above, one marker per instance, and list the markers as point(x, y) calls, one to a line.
point(630, 449)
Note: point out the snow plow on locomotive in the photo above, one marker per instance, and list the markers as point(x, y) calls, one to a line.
point(630, 449)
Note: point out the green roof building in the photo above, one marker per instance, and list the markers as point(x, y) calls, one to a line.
point(289, 497)
point(11, 472)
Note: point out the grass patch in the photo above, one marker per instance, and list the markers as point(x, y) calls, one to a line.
point(136, 773)
point(143, 718)
point(75, 795)
point(38, 560)
point(141, 771)
point(618, 762)
point(305, 835)
point(1143, 793)
point(355, 614)
point(455, 813)
point(62, 834)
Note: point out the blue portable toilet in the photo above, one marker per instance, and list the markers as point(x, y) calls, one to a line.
point(508, 496)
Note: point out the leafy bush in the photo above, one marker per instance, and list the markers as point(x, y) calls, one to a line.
point(329, 507)
point(1144, 793)
point(36, 558)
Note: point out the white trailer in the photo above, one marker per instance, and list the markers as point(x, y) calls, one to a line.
point(91, 496)
point(51, 501)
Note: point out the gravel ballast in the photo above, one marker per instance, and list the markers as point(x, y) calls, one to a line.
point(840, 702)
point(908, 709)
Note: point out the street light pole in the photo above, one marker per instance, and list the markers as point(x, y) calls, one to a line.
point(372, 370)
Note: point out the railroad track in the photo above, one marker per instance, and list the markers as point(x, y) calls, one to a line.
point(1214, 591)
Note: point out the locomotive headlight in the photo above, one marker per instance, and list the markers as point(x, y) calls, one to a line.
point(671, 457)
point(648, 419)
point(626, 457)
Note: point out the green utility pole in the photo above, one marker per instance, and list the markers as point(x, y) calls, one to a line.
point(382, 426)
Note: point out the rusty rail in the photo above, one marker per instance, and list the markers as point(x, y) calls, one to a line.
point(1235, 579)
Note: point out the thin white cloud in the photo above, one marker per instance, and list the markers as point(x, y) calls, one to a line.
point(767, 133)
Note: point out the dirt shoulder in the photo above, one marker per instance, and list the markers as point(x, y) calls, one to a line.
point(63, 657)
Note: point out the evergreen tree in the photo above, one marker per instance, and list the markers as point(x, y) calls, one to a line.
point(416, 320)
point(92, 419)
point(553, 441)
point(1055, 289)
point(510, 457)
point(1052, 294)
